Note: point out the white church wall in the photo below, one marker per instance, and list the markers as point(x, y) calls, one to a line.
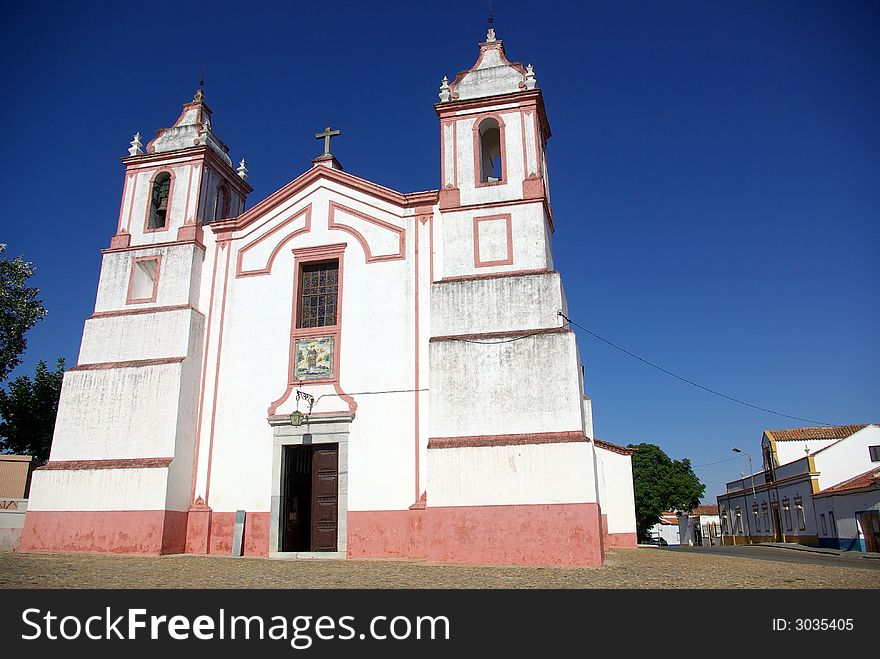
point(179, 266)
point(471, 382)
point(180, 471)
point(117, 413)
point(526, 240)
point(139, 336)
point(511, 475)
point(98, 489)
point(496, 305)
point(376, 354)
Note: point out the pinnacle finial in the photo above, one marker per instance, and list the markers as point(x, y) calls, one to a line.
point(242, 171)
point(136, 145)
point(444, 90)
point(490, 35)
point(199, 96)
point(530, 77)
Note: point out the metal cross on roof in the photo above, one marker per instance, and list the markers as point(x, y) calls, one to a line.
point(326, 136)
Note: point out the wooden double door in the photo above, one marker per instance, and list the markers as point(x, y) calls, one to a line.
point(310, 497)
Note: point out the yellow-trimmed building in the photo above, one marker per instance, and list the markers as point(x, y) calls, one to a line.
point(776, 503)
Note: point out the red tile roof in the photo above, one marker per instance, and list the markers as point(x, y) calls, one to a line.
point(814, 432)
point(608, 446)
point(867, 479)
point(705, 509)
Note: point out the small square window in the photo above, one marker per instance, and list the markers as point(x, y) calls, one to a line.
point(874, 452)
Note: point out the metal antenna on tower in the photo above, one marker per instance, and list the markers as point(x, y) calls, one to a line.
point(202, 79)
point(491, 16)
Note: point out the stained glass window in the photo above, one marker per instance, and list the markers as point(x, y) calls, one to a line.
point(318, 291)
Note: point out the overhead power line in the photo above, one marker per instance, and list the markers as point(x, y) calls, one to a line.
point(686, 380)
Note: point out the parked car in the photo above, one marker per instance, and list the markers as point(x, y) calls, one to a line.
point(660, 542)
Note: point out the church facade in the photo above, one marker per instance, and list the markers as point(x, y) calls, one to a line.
point(340, 370)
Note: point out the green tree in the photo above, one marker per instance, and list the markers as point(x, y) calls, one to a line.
point(19, 310)
point(660, 484)
point(27, 412)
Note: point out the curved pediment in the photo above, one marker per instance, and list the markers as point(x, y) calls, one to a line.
point(491, 75)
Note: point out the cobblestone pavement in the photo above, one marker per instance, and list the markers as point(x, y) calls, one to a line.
point(624, 568)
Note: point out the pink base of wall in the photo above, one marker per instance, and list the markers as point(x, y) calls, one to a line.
point(545, 534)
point(541, 534)
point(551, 534)
point(386, 534)
point(621, 540)
point(142, 532)
point(116, 531)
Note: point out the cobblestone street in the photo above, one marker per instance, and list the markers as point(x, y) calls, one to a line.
point(624, 568)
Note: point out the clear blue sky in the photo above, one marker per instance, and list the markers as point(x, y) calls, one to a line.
point(715, 172)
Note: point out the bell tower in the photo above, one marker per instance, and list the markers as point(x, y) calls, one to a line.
point(493, 132)
point(511, 469)
point(125, 432)
point(184, 179)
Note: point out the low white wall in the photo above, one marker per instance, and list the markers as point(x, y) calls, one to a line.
point(619, 501)
point(98, 489)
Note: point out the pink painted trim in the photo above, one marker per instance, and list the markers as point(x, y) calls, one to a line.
point(167, 226)
point(508, 440)
point(494, 204)
point(186, 218)
point(614, 448)
point(478, 262)
point(497, 275)
point(217, 374)
point(131, 204)
point(443, 182)
point(431, 247)
point(410, 200)
point(525, 99)
point(125, 182)
point(304, 256)
point(143, 310)
point(195, 155)
point(416, 366)
point(144, 300)
point(134, 248)
point(240, 272)
point(134, 363)
point(500, 335)
point(120, 240)
point(204, 371)
point(400, 233)
point(484, 48)
point(478, 120)
point(89, 465)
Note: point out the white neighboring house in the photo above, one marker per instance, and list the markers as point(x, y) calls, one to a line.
point(351, 370)
point(701, 528)
point(817, 487)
